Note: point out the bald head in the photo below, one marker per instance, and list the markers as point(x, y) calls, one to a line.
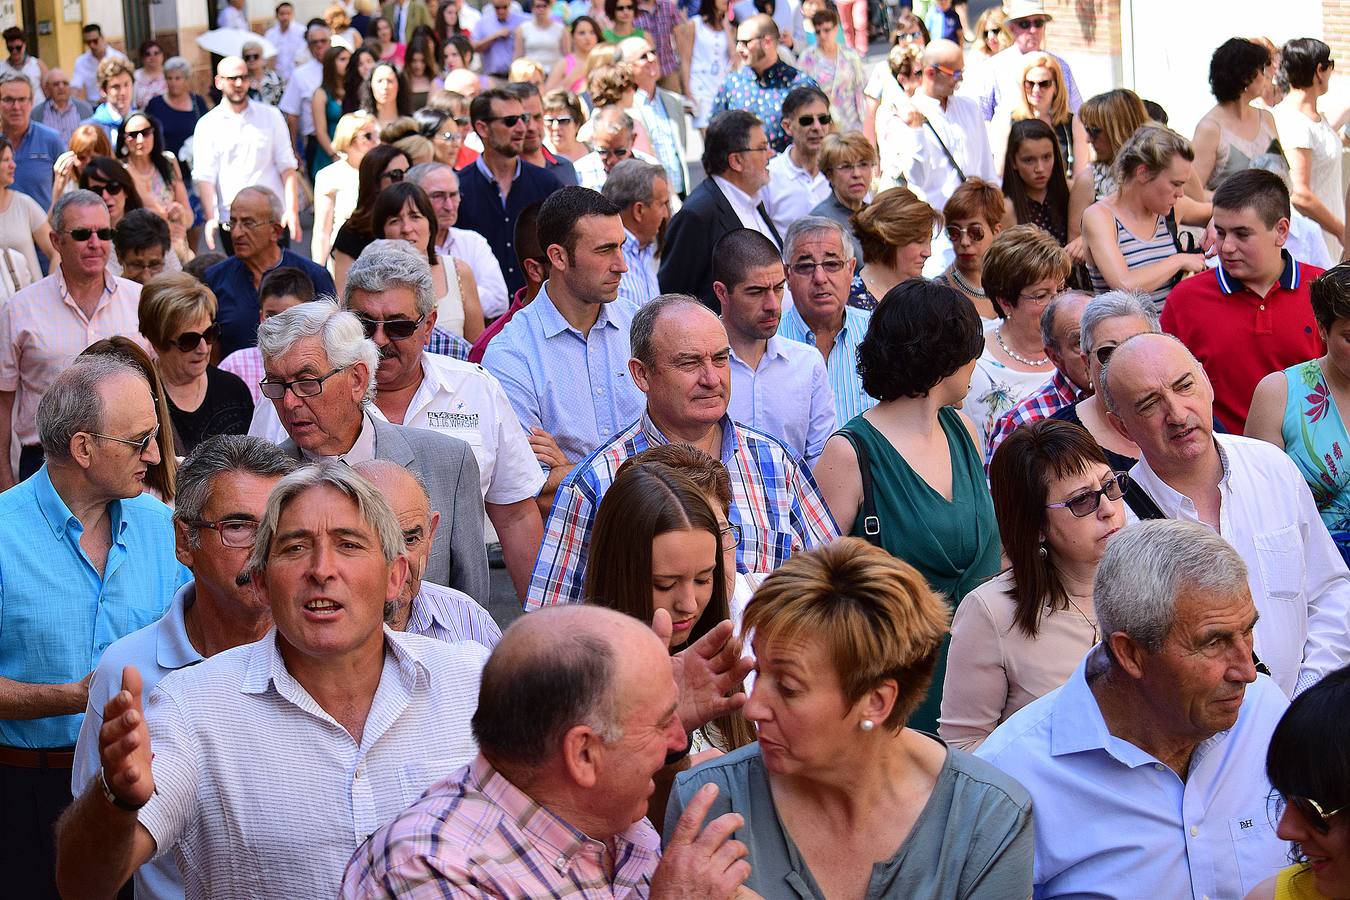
point(401, 487)
point(231, 65)
point(407, 496)
point(1160, 398)
point(941, 58)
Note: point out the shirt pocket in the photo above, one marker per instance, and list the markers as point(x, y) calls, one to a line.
point(1256, 848)
point(1279, 556)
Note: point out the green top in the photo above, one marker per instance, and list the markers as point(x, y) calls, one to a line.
point(611, 38)
point(953, 543)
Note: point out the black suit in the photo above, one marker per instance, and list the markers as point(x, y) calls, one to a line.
point(693, 232)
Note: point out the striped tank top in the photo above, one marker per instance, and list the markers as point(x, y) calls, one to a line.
point(1140, 253)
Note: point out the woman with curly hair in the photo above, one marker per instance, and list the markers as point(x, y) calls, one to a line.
point(923, 496)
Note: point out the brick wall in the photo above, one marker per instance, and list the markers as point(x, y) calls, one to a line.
point(1336, 30)
point(1093, 26)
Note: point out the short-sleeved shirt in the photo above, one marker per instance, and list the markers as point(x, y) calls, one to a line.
point(496, 59)
point(17, 223)
point(57, 612)
point(33, 160)
point(226, 408)
point(237, 150)
point(762, 95)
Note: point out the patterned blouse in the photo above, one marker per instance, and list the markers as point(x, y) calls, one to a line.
point(762, 95)
point(842, 78)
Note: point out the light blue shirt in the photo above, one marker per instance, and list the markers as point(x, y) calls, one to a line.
point(155, 651)
point(57, 614)
point(638, 285)
point(1113, 821)
point(787, 396)
point(849, 398)
point(574, 386)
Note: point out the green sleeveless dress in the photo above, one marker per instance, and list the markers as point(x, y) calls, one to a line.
point(953, 543)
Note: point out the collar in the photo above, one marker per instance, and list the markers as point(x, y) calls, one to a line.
point(734, 194)
point(109, 287)
point(631, 242)
point(487, 173)
point(1291, 276)
point(549, 158)
point(773, 349)
point(60, 519)
point(1170, 496)
point(730, 436)
point(361, 450)
point(1066, 388)
point(778, 70)
point(794, 315)
point(552, 320)
point(173, 650)
point(266, 669)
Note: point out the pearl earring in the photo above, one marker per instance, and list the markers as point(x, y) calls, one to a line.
point(867, 724)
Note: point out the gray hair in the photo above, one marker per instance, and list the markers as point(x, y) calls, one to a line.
point(643, 329)
point(1116, 305)
point(1051, 310)
point(420, 172)
point(808, 225)
point(370, 504)
point(632, 181)
point(13, 77)
point(178, 64)
point(79, 197)
point(339, 330)
point(385, 264)
point(73, 404)
point(218, 455)
point(1105, 387)
point(611, 120)
point(250, 45)
point(1148, 565)
point(273, 201)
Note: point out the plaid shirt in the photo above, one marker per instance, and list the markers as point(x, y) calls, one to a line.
point(774, 500)
point(476, 834)
point(447, 344)
point(1056, 394)
point(659, 22)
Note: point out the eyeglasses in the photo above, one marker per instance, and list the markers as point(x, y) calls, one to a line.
point(510, 121)
point(252, 57)
point(233, 532)
point(950, 73)
point(84, 234)
point(190, 340)
point(234, 78)
point(909, 36)
point(140, 443)
point(745, 42)
point(552, 121)
point(395, 174)
point(1028, 24)
point(15, 101)
point(819, 119)
point(607, 152)
point(807, 268)
point(300, 387)
point(763, 149)
point(394, 329)
point(1313, 812)
point(1043, 297)
point(627, 7)
point(112, 188)
point(15, 48)
point(974, 232)
point(730, 537)
point(235, 224)
point(147, 131)
point(451, 136)
point(1045, 85)
point(1086, 503)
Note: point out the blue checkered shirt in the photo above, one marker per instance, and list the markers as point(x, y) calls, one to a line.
point(849, 398)
point(445, 343)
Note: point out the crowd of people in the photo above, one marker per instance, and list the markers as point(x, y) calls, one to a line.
point(916, 482)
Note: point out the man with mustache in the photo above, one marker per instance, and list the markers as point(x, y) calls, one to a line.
point(1250, 492)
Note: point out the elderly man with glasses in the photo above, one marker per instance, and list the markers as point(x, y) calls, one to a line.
point(49, 323)
point(612, 136)
point(61, 111)
point(88, 559)
point(999, 86)
point(36, 146)
point(255, 231)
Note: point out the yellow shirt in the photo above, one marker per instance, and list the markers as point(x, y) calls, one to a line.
point(1296, 882)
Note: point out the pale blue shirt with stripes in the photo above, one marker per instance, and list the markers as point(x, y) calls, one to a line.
point(449, 615)
point(787, 396)
point(638, 285)
point(842, 364)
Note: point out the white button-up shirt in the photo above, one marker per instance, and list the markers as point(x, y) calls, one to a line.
point(84, 74)
point(261, 793)
point(787, 396)
point(473, 249)
point(289, 43)
point(746, 208)
point(445, 614)
point(238, 150)
point(792, 192)
point(304, 81)
point(1111, 820)
point(1298, 579)
point(917, 155)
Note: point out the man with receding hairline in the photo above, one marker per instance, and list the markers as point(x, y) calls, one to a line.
point(761, 84)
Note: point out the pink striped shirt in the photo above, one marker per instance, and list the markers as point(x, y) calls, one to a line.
point(42, 329)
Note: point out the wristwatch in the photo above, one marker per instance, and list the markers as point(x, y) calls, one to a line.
point(113, 798)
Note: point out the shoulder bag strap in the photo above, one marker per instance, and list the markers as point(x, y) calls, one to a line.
point(951, 159)
point(871, 523)
point(9, 266)
point(1143, 505)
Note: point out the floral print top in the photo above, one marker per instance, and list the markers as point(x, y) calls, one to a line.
point(1315, 439)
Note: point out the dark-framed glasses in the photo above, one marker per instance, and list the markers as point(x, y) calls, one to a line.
point(1103, 354)
point(1045, 85)
point(141, 444)
point(1086, 503)
point(190, 340)
point(510, 121)
point(111, 188)
point(730, 537)
point(395, 175)
point(606, 152)
point(394, 329)
point(138, 133)
point(233, 532)
point(807, 268)
point(300, 387)
point(84, 234)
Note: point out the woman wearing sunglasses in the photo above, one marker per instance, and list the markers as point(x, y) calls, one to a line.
point(336, 186)
point(177, 316)
point(1044, 97)
point(974, 215)
point(159, 181)
point(148, 82)
point(562, 119)
point(110, 180)
point(382, 166)
point(1021, 635)
point(622, 14)
point(1308, 765)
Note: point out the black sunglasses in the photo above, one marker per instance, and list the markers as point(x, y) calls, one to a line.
point(189, 340)
point(138, 133)
point(1086, 503)
point(1313, 813)
point(394, 329)
point(510, 121)
point(395, 174)
point(819, 119)
point(252, 57)
point(84, 234)
point(1103, 354)
point(112, 188)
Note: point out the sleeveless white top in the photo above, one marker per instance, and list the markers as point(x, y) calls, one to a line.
point(543, 45)
point(707, 68)
point(450, 307)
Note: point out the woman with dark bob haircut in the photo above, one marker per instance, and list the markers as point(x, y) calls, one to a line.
point(923, 496)
point(841, 796)
point(1308, 764)
point(1310, 143)
point(1234, 134)
point(1020, 635)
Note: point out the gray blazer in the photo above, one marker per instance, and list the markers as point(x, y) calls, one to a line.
point(448, 467)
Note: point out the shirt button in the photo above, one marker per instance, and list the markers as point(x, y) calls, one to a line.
point(560, 862)
point(1158, 766)
point(599, 392)
point(1194, 831)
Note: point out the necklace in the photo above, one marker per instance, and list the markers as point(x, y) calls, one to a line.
point(998, 336)
point(966, 285)
point(1078, 609)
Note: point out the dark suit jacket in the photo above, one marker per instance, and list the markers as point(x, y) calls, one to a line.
point(448, 467)
point(693, 232)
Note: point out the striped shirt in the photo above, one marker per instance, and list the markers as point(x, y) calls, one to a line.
point(475, 834)
point(261, 793)
point(445, 614)
point(638, 285)
point(774, 500)
point(850, 400)
point(1139, 253)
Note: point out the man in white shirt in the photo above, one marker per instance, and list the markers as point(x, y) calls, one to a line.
point(240, 144)
point(796, 184)
point(84, 74)
point(219, 766)
point(944, 140)
point(300, 88)
point(232, 15)
point(998, 84)
point(442, 186)
point(641, 190)
point(612, 136)
point(1248, 491)
point(1147, 767)
point(288, 38)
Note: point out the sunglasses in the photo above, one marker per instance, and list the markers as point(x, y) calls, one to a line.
point(974, 232)
point(1045, 85)
point(950, 73)
point(557, 120)
point(1086, 503)
point(1028, 24)
point(112, 189)
point(451, 136)
point(1103, 354)
point(252, 57)
point(625, 8)
point(190, 340)
point(510, 121)
point(84, 234)
point(620, 152)
point(820, 119)
point(394, 329)
point(993, 32)
point(395, 175)
point(14, 48)
point(1313, 812)
point(147, 131)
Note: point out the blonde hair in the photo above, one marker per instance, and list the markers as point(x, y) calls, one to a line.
point(1117, 114)
point(337, 18)
point(111, 67)
point(1059, 107)
point(992, 17)
point(347, 127)
point(894, 219)
point(417, 148)
point(875, 615)
point(525, 70)
point(1152, 146)
point(849, 148)
point(170, 300)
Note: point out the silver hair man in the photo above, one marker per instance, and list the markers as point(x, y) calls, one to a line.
point(219, 455)
point(632, 181)
point(389, 263)
point(274, 204)
point(338, 330)
point(80, 197)
point(1115, 305)
point(809, 225)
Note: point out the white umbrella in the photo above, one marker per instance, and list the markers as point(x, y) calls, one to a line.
point(231, 41)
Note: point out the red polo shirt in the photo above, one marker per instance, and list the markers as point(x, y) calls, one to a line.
point(1240, 337)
